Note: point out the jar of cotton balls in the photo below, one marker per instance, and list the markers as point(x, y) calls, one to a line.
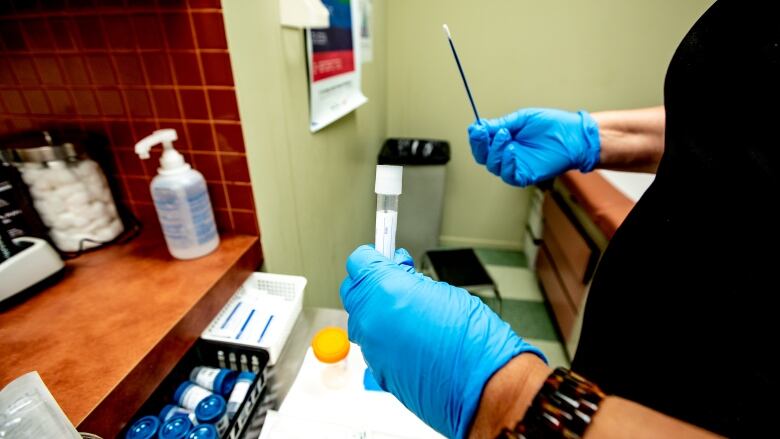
point(71, 195)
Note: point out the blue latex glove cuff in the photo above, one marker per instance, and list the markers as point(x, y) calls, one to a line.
point(536, 144)
point(591, 153)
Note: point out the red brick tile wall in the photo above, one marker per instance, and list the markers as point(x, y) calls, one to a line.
point(125, 68)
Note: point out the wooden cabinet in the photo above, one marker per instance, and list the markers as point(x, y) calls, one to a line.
point(581, 213)
point(565, 314)
point(565, 263)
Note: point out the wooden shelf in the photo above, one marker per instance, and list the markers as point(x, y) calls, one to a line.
point(105, 335)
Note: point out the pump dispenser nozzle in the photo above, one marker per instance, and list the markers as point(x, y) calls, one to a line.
point(171, 159)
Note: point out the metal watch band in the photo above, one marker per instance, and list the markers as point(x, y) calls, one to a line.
point(563, 408)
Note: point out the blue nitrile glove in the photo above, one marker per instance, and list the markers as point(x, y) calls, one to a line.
point(432, 345)
point(536, 144)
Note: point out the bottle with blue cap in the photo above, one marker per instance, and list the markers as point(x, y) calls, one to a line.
point(213, 410)
point(219, 381)
point(203, 431)
point(240, 389)
point(175, 428)
point(144, 428)
point(171, 410)
point(189, 394)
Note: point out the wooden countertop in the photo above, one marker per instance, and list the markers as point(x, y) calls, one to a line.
point(105, 335)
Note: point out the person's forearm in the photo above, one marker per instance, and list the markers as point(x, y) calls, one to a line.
point(510, 391)
point(631, 140)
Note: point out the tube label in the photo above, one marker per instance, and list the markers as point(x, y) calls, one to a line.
point(192, 396)
point(384, 238)
point(206, 377)
point(237, 396)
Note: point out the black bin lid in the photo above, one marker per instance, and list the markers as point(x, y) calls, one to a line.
point(413, 151)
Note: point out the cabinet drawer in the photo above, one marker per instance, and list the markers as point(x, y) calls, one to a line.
point(565, 315)
point(569, 275)
point(573, 245)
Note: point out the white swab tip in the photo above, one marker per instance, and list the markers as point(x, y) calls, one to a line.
point(446, 30)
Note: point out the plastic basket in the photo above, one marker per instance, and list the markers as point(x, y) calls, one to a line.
point(261, 314)
point(213, 354)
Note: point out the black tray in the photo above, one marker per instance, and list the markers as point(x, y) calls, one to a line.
point(212, 354)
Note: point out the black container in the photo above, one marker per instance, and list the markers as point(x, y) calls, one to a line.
point(212, 354)
point(413, 151)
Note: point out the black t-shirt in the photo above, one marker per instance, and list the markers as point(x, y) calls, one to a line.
point(683, 312)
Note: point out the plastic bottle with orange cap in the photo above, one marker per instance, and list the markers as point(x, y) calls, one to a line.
point(331, 347)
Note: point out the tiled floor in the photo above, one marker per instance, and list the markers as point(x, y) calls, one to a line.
point(524, 304)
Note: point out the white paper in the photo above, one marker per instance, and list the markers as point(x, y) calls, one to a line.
point(378, 413)
point(333, 56)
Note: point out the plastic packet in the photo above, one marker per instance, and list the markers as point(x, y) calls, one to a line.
point(28, 410)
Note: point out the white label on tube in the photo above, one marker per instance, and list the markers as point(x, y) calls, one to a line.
point(192, 396)
point(205, 378)
point(237, 396)
point(384, 239)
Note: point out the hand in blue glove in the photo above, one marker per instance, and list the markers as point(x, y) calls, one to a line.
point(432, 345)
point(536, 144)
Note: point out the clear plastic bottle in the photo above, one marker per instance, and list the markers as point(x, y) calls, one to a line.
point(388, 187)
point(181, 200)
point(331, 347)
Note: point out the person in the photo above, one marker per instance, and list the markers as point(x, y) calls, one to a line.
point(678, 327)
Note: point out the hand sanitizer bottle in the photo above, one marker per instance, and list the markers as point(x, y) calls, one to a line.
point(181, 200)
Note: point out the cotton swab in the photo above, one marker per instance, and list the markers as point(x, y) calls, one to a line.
point(460, 69)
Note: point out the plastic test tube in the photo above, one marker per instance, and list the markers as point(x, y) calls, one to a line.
point(388, 188)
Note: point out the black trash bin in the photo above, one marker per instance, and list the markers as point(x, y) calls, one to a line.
point(421, 204)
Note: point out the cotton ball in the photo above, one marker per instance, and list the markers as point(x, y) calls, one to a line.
point(61, 176)
point(95, 191)
point(96, 209)
point(78, 200)
point(88, 168)
point(38, 191)
point(43, 182)
point(54, 205)
point(80, 221)
point(47, 209)
point(64, 221)
point(94, 185)
point(111, 209)
point(111, 231)
point(64, 241)
point(44, 212)
point(66, 191)
point(42, 208)
point(98, 223)
point(30, 175)
point(105, 196)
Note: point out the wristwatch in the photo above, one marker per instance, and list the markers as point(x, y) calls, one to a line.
point(563, 408)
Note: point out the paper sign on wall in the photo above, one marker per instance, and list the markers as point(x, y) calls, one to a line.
point(334, 65)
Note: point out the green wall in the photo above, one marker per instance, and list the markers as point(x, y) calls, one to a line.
point(594, 55)
point(314, 192)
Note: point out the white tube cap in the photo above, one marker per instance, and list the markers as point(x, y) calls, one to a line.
point(389, 179)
